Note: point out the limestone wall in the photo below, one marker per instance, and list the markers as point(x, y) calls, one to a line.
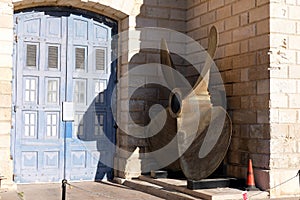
point(6, 42)
point(153, 13)
point(285, 95)
point(242, 58)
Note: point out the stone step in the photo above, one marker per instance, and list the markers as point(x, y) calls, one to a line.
point(209, 194)
point(155, 190)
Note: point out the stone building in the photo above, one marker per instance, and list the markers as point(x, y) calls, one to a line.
point(258, 57)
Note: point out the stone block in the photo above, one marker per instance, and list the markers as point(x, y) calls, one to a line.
point(200, 9)
point(262, 178)
point(234, 157)
point(243, 33)
point(283, 86)
point(261, 161)
point(293, 12)
point(282, 26)
point(7, 47)
point(245, 88)
point(228, 89)
point(278, 71)
point(208, 18)
point(294, 100)
point(274, 115)
point(234, 145)
point(244, 60)
point(259, 42)
point(244, 131)
point(225, 37)
point(245, 75)
point(214, 4)
point(177, 14)
point(229, 1)
point(5, 141)
point(189, 14)
point(294, 72)
point(247, 145)
point(258, 73)
point(244, 116)
point(6, 39)
point(232, 22)
point(220, 26)
point(259, 13)
point(261, 2)
point(244, 18)
point(232, 49)
point(259, 131)
point(146, 22)
point(192, 24)
point(263, 57)
point(5, 87)
point(263, 87)
point(6, 21)
point(224, 12)
point(263, 27)
point(231, 76)
point(151, 2)
point(263, 147)
point(200, 33)
point(156, 12)
point(220, 52)
point(287, 115)
point(255, 102)
point(5, 65)
point(5, 114)
point(242, 6)
point(234, 102)
point(172, 3)
point(5, 127)
point(263, 116)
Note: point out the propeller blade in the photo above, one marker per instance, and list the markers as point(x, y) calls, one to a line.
point(212, 46)
point(165, 59)
point(209, 148)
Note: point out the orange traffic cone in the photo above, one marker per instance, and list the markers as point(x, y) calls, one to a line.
point(250, 178)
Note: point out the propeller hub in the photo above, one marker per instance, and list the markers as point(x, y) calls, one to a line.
point(175, 102)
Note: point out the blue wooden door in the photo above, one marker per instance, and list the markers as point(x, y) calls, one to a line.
point(58, 59)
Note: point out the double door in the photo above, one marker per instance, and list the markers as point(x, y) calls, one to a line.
point(62, 59)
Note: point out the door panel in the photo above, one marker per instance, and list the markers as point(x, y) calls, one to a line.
point(61, 58)
point(89, 75)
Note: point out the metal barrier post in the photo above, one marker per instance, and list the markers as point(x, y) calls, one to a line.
point(64, 189)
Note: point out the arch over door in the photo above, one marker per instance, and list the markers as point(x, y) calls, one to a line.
point(62, 58)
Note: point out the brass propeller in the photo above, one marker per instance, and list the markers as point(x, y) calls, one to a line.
point(202, 131)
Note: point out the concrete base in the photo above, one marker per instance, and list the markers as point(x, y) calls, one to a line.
point(213, 183)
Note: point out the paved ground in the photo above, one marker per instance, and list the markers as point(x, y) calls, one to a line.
point(78, 191)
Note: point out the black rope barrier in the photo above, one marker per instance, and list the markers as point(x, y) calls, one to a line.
point(280, 184)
